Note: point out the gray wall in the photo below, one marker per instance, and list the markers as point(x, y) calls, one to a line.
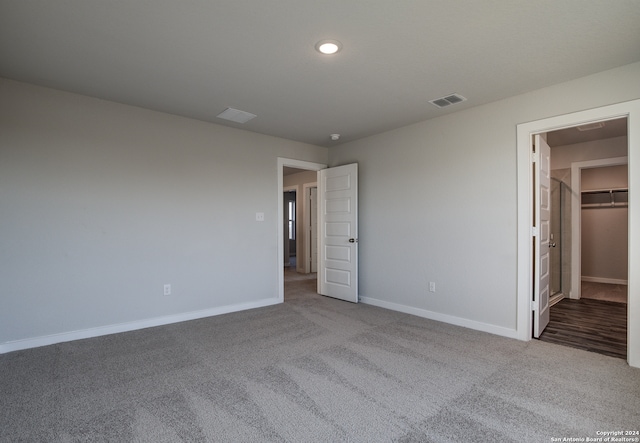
point(102, 204)
point(563, 156)
point(438, 203)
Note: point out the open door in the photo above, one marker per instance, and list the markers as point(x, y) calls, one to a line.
point(542, 229)
point(338, 232)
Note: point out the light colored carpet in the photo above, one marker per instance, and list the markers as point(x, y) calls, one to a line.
point(604, 291)
point(292, 275)
point(312, 369)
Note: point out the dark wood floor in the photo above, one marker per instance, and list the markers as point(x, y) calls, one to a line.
point(593, 325)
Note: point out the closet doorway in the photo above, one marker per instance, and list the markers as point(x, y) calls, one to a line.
point(589, 237)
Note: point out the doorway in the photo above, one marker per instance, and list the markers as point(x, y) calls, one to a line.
point(290, 167)
point(525, 131)
point(588, 161)
point(589, 237)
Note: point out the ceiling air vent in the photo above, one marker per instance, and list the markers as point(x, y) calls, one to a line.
point(590, 126)
point(235, 115)
point(443, 102)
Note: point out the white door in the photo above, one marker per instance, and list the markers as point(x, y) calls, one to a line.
point(313, 229)
point(338, 233)
point(542, 202)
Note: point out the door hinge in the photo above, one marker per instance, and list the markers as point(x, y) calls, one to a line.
point(534, 305)
point(534, 231)
point(534, 157)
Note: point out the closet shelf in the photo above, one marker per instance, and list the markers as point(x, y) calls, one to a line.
point(605, 198)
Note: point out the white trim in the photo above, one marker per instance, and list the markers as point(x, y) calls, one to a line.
point(46, 340)
point(457, 321)
point(631, 110)
point(610, 281)
point(300, 164)
point(576, 215)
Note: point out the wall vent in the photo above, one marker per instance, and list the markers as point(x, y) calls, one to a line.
point(443, 102)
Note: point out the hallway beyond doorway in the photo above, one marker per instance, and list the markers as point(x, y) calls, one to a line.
point(298, 285)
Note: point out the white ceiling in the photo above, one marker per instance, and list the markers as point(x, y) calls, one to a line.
point(197, 57)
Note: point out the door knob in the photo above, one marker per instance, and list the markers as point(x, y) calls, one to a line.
point(552, 244)
point(353, 240)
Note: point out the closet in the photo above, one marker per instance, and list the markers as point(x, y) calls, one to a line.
point(605, 198)
point(604, 220)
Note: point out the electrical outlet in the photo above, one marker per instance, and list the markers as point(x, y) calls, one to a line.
point(260, 216)
point(432, 286)
point(167, 289)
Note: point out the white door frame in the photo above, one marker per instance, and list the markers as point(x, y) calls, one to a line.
point(300, 164)
point(630, 110)
point(576, 216)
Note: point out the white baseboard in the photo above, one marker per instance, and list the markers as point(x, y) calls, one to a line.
point(46, 340)
point(611, 281)
point(458, 321)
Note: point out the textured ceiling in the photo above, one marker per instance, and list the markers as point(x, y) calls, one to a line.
point(196, 58)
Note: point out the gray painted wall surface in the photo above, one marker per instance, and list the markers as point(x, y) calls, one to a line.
point(438, 201)
point(102, 204)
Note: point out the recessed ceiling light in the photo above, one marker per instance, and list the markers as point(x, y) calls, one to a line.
point(328, 47)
